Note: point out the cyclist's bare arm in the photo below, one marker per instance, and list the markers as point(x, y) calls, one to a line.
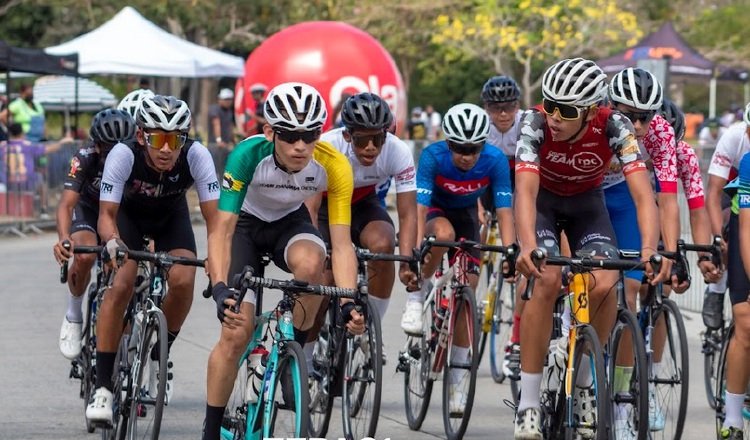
point(507, 229)
point(527, 189)
point(669, 214)
point(220, 246)
point(68, 201)
point(107, 224)
point(713, 202)
point(648, 218)
point(406, 206)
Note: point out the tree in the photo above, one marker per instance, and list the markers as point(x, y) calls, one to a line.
point(525, 36)
point(722, 35)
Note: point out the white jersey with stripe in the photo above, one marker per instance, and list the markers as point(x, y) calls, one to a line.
point(507, 141)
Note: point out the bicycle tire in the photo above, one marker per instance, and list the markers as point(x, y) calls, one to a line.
point(418, 380)
point(234, 421)
point(712, 342)
point(664, 382)
point(323, 379)
point(88, 353)
point(290, 382)
point(465, 306)
point(118, 430)
point(587, 337)
point(142, 400)
point(487, 300)
point(637, 394)
point(363, 382)
point(502, 325)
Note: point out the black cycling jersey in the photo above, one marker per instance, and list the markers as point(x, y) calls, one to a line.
point(85, 175)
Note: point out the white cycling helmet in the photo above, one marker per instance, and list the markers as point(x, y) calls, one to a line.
point(164, 113)
point(466, 124)
point(574, 81)
point(132, 101)
point(746, 114)
point(295, 106)
point(636, 88)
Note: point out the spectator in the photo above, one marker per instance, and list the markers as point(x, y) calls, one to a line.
point(432, 120)
point(30, 114)
point(416, 128)
point(710, 133)
point(221, 129)
point(255, 120)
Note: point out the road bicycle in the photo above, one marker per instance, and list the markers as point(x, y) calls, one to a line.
point(281, 407)
point(425, 357)
point(720, 388)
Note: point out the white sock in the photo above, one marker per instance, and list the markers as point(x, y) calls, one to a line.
point(417, 296)
point(734, 403)
point(379, 304)
point(459, 356)
point(719, 286)
point(74, 313)
point(530, 384)
point(584, 378)
point(309, 349)
point(565, 325)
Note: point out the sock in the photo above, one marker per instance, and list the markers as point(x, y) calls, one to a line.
point(105, 365)
point(622, 379)
point(565, 325)
point(530, 384)
point(379, 304)
point(584, 378)
point(734, 403)
point(515, 335)
point(459, 356)
point(720, 286)
point(212, 429)
point(74, 313)
point(308, 349)
point(171, 336)
point(417, 296)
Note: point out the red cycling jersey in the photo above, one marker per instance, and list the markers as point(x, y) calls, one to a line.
point(690, 175)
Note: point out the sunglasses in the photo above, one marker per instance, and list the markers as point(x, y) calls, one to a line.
point(465, 149)
point(567, 112)
point(292, 137)
point(642, 117)
point(502, 107)
point(363, 140)
point(174, 141)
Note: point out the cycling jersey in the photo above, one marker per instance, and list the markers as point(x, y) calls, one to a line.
point(276, 192)
point(127, 179)
point(567, 169)
point(690, 175)
point(440, 183)
point(395, 160)
point(507, 141)
point(85, 175)
point(731, 147)
point(743, 185)
point(658, 146)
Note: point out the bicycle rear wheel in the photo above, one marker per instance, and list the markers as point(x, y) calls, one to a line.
point(486, 290)
point(326, 364)
point(460, 375)
point(362, 382)
point(289, 395)
point(720, 385)
point(149, 379)
point(416, 363)
point(630, 403)
point(502, 324)
point(598, 416)
point(668, 380)
point(712, 340)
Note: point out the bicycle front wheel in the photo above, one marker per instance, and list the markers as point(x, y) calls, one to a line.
point(460, 369)
point(363, 381)
point(326, 365)
point(712, 340)
point(668, 379)
point(289, 395)
point(502, 323)
point(590, 419)
point(149, 379)
point(416, 363)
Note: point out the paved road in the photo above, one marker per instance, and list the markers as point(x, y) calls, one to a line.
point(38, 401)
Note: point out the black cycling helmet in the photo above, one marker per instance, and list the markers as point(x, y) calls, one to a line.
point(501, 88)
point(111, 126)
point(674, 116)
point(366, 111)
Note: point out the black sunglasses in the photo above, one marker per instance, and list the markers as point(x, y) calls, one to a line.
point(502, 107)
point(292, 137)
point(642, 117)
point(363, 140)
point(465, 149)
point(567, 112)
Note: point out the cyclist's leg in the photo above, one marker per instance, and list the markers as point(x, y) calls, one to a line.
point(223, 361)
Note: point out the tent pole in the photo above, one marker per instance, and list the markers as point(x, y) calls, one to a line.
point(75, 118)
point(747, 92)
point(712, 99)
point(7, 147)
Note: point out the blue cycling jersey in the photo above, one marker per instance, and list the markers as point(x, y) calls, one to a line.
point(440, 183)
point(743, 184)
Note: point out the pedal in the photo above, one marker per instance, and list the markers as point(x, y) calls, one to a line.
point(403, 363)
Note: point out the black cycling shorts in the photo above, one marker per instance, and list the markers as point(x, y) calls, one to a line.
point(170, 232)
point(84, 218)
point(583, 217)
point(737, 281)
point(364, 211)
point(254, 237)
point(465, 222)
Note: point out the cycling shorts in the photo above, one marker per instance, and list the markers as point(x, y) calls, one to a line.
point(622, 214)
point(84, 218)
point(737, 281)
point(170, 232)
point(583, 217)
point(364, 211)
point(465, 222)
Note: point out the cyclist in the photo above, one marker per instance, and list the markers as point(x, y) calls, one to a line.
point(558, 191)
point(451, 176)
point(131, 103)
point(266, 181)
point(143, 193)
point(376, 156)
point(77, 214)
point(731, 149)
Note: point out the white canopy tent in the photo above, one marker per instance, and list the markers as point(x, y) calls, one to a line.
point(130, 44)
point(58, 93)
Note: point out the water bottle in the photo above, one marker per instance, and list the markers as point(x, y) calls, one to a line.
point(256, 369)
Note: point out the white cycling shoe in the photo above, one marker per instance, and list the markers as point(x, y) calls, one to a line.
point(99, 409)
point(411, 320)
point(70, 339)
